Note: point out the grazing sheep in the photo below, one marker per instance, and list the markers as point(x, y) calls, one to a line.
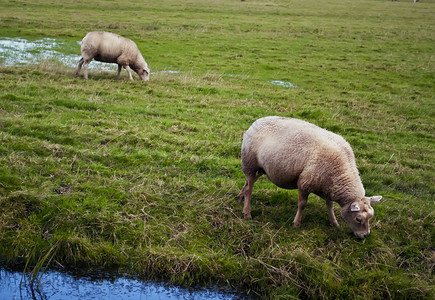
point(112, 48)
point(295, 154)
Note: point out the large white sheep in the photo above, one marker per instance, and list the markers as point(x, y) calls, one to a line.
point(112, 48)
point(295, 154)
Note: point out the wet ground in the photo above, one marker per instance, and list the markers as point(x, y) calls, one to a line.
point(286, 84)
point(19, 51)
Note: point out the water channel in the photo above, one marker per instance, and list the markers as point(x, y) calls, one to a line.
point(62, 285)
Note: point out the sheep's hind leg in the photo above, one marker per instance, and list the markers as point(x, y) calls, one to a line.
point(246, 193)
point(85, 69)
point(302, 202)
point(242, 193)
point(79, 66)
point(119, 71)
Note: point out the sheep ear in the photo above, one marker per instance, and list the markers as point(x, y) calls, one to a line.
point(354, 207)
point(375, 199)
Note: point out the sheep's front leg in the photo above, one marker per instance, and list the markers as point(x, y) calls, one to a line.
point(302, 202)
point(331, 215)
point(129, 72)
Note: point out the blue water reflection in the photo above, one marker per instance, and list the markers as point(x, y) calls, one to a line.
point(59, 285)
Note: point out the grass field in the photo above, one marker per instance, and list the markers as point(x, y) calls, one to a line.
point(144, 177)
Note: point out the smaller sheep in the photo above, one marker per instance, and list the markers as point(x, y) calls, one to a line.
point(112, 48)
point(295, 154)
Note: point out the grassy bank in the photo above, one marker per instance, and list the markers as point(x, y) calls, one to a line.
point(144, 177)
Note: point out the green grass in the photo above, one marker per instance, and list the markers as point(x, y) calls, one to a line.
point(144, 177)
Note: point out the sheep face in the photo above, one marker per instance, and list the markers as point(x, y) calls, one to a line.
point(144, 74)
point(358, 214)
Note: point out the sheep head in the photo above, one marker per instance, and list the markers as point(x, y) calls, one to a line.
point(358, 214)
point(144, 73)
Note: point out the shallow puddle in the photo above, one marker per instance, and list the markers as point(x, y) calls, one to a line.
point(286, 84)
point(18, 51)
point(59, 285)
point(168, 72)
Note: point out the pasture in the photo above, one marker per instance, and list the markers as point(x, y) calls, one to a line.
point(143, 177)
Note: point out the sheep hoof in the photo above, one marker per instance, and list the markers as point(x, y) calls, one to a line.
point(297, 224)
point(335, 224)
point(247, 216)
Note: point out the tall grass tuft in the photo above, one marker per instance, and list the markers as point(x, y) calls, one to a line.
point(33, 276)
